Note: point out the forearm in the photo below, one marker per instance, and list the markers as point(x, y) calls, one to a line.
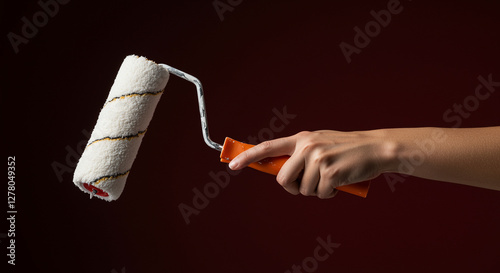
point(469, 156)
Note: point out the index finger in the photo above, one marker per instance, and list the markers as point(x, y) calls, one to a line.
point(270, 148)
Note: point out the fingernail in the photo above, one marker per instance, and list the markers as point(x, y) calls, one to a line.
point(233, 165)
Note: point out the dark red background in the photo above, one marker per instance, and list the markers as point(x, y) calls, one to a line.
point(264, 55)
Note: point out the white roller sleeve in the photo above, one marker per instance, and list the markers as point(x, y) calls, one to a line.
point(122, 123)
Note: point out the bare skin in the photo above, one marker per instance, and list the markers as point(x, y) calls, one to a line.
point(323, 160)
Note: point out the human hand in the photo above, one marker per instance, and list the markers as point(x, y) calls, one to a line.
point(326, 159)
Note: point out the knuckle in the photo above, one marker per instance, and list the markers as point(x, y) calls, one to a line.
point(303, 134)
point(326, 190)
point(322, 195)
point(330, 174)
point(305, 192)
point(309, 147)
point(282, 180)
point(266, 145)
point(318, 158)
point(287, 185)
point(312, 145)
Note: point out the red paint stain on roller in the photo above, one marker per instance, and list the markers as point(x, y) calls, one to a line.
point(95, 190)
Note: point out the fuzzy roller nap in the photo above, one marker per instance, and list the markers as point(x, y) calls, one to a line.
point(107, 159)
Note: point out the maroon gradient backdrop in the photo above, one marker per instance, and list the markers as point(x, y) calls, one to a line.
point(263, 55)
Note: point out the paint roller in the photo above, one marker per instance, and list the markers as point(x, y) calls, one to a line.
point(123, 121)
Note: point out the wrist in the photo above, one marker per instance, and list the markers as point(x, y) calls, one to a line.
point(389, 150)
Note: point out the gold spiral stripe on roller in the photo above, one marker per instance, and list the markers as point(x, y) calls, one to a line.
point(115, 176)
point(129, 137)
point(122, 97)
point(104, 178)
point(154, 93)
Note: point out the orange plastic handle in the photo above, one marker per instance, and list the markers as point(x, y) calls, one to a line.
point(272, 165)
